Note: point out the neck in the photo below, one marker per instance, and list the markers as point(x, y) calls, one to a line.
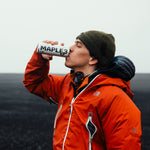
point(86, 72)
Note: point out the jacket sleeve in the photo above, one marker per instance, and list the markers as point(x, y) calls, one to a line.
point(121, 122)
point(37, 80)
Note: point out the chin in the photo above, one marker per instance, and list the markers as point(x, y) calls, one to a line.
point(67, 65)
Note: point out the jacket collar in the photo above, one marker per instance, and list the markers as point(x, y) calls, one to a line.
point(102, 80)
point(79, 81)
point(105, 80)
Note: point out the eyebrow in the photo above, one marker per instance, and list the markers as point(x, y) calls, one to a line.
point(78, 42)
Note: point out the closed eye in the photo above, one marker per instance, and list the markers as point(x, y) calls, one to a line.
point(79, 44)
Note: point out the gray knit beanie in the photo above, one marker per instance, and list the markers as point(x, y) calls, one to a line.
point(100, 45)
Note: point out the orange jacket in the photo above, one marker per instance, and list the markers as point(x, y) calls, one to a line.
point(101, 117)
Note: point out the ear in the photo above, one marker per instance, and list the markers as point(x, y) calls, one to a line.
point(93, 61)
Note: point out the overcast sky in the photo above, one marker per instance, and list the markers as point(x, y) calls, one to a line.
point(24, 23)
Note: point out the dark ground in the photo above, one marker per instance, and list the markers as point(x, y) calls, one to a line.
point(26, 121)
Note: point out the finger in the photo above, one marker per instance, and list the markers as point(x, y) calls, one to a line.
point(55, 42)
point(62, 44)
point(47, 56)
point(51, 42)
point(50, 57)
point(48, 42)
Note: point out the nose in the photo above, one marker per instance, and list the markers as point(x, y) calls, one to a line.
point(71, 48)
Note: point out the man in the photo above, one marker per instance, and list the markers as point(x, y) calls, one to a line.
point(95, 110)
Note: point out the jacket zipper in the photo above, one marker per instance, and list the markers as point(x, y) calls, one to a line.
point(57, 115)
point(71, 109)
point(90, 137)
point(68, 123)
point(94, 130)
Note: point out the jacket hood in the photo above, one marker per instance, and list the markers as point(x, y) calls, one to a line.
point(121, 67)
point(104, 80)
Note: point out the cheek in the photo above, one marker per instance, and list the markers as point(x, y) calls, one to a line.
point(81, 58)
point(77, 57)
